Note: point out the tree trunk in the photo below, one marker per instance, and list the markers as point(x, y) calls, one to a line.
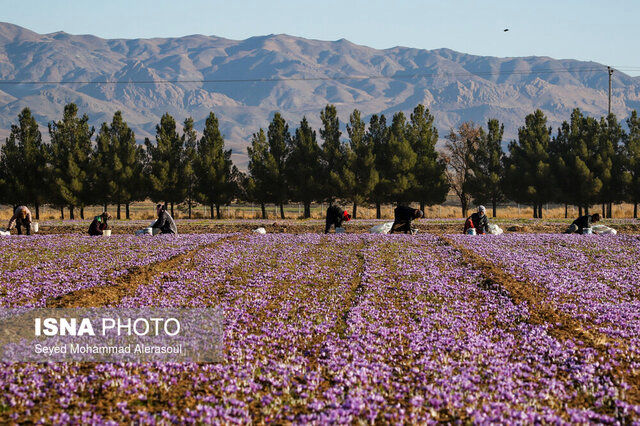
point(579, 210)
point(610, 212)
point(189, 201)
point(566, 210)
point(211, 210)
point(105, 207)
point(307, 210)
point(82, 213)
point(218, 211)
point(281, 211)
point(355, 210)
point(61, 213)
point(586, 209)
point(119, 215)
point(378, 214)
point(37, 211)
point(422, 207)
point(464, 206)
point(535, 211)
point(540, 211)
point(604, 210)
point(264, 210)
point(127, 211)
point(172, 215)
point(71, 215)
point(635, 210)
point(495, 208)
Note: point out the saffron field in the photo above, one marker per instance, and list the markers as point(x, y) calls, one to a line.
point(517, 328)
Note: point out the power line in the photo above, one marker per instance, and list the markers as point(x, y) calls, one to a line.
point(330, 78)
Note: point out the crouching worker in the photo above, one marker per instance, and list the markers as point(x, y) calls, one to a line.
point(21, 218)
point(403, 216)
point(165, 222)
point(580, 224)
point(478, 220)
point(335, 216)
point(99, 224)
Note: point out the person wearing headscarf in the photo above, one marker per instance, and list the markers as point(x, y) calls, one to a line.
point(478, 220)
point(165, 222)
point(99, 224)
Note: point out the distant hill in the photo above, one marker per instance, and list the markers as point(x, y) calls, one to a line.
point(302, 77)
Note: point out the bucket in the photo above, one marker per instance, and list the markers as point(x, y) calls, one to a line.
point(35, 227)
point(471, 231)
point(106, 232)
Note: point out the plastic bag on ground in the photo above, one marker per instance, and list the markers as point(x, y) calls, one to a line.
point(495, 229)
point(260, 230)
point(383, 228)
point(4, 233)
point(603, 230)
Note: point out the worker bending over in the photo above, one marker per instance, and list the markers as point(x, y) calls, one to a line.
point(99, 224)
point(580, 224)
point(21, 218)
point(165, 222)
point(478, 220)
point(335, 216)
point(403, 216)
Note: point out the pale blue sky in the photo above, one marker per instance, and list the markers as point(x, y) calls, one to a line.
point(602, 31)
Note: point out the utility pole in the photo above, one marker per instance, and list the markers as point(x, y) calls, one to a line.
point(610, 71)
point(610, 205)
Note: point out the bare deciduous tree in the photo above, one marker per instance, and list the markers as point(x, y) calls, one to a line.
point(461, 146)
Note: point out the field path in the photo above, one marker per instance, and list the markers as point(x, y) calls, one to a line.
point(126, 284)
point(560, 325)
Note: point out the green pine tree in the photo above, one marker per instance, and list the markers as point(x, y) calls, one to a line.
point(431, 185)
point(303, 167)
point(165, 161)
point(631, 157)
point(216, 185)
point(275, 160)
point(359, 175)
point(71, 160)
point(333, 154)
point(378, 138)
point(258, 184)
point(23, 161)
point(528, 172)
point(187, 170)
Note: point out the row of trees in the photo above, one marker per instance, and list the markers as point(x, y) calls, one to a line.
point(587, 162)
point(379, 164)
point(74, 171)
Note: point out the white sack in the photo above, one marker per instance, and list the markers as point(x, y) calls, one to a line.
point(495, 229)
point(260, 230)
point(603, 230)
point(4, 233)
point(383, 228)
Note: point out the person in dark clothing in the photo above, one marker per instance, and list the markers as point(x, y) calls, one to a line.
point(99, 224)
point(21, 218)
point(165, 222)
point(578, 226)
point(403, 216)
point(479, 221)
point(335, 216)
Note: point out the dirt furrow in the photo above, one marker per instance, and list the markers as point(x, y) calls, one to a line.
point(560, 325)
point(127, 284)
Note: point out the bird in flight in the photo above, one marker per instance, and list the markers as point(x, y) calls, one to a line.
point(506, 29)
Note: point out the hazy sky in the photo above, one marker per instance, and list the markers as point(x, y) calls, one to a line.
point(602, 31)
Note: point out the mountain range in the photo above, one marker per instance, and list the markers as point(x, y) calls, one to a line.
point(245, 81)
